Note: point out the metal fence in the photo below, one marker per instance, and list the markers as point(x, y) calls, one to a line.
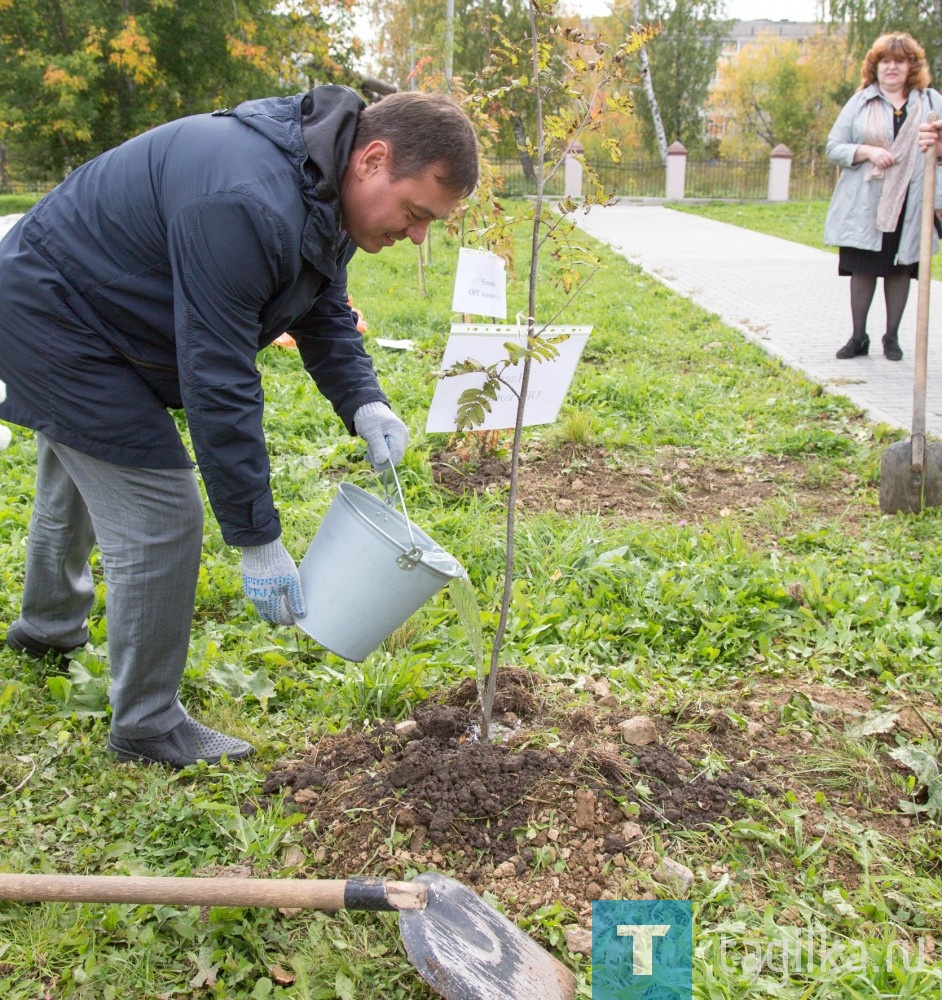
point(29, 187)
point(637, 179)
point(516, 184)
point(812, 180)
point(744, 180)
point(738, 180)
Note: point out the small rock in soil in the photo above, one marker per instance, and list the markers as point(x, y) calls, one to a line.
point(585, 809)
point(638, 731)
point(578, 940)
point(600, 688)
point(674, 874)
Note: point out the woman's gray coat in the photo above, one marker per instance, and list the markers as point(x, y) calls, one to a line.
point(851, 217)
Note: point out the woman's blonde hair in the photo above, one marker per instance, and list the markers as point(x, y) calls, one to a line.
point(899, 45)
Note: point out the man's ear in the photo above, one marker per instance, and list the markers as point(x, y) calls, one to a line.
point(371, 158)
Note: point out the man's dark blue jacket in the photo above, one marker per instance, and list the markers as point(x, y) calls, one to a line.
point(150, 278)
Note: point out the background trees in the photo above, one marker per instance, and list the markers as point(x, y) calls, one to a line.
point(777, 91)
point(411, 45)
point(867, 19)
point(682, 62)
point(79, 76)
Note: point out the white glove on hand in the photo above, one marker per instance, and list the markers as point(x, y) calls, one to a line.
point(271, 582)
point(4, 431)
point(386, 436)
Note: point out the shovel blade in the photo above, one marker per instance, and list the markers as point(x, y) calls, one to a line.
point(907, 490)
point(466, 950)
point(932, 476)
point(900, 485)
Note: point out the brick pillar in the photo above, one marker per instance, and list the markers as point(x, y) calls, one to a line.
point(572, 172)
point(676, 179)
point(780, 170)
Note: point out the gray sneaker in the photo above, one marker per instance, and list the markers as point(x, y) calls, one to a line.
point(186, 744)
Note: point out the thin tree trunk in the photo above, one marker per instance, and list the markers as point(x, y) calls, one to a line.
point(449, 38)
point(652, 101)
point(520, 138)
point(487, 705)
point(640, 15)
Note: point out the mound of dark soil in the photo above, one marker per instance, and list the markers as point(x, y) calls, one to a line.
point(560, 800)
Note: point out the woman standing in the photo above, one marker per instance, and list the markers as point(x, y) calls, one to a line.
point(875, 211)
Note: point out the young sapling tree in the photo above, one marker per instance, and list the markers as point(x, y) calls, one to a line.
point(597, 82)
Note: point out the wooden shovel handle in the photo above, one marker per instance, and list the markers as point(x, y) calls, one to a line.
point(315, 894)
point(922, 306)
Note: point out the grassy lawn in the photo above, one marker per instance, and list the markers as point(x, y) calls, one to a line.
point(796, 602)
point(14, 204)
point(800, 221)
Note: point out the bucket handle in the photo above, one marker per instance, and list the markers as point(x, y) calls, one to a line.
point(412, 558)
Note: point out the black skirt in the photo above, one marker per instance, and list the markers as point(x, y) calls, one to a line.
point(878, 263)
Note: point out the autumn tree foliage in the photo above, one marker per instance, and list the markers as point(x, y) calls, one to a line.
point(411, 33)
point(410, 49)
point(866, 20)
point(80, 76)
point(780, 91)
point(681, 62)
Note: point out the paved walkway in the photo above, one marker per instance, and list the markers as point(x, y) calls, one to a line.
point(785, 297)
point(7, 222)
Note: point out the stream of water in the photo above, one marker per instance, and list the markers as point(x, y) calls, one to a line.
point(469, 612)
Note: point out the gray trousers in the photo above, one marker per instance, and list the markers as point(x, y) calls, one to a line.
point(148, 524)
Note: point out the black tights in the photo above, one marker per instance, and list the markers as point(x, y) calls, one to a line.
point(895, 294)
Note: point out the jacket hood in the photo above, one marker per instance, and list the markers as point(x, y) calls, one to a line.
point(316, 129)
point(329, 116)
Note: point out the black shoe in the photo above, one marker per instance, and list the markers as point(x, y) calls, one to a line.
point(186, 744)
point(20, 641)
point(854, 347)
point(891, 349)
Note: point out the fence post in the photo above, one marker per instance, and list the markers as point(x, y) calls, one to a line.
point(572, 172)
point(676, 179)
point(780, 169)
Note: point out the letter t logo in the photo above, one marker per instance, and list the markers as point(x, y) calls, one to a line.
point(642, 943)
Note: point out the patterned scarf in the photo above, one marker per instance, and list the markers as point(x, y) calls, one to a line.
point(904, 148)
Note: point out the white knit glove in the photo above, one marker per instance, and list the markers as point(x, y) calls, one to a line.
point(272, 583)
point(386, 436)
point(4, 431)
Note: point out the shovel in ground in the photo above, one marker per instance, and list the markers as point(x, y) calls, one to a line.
point(462, 947)
point(911, 471)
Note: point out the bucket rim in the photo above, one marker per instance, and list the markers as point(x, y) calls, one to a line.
point(349, 492)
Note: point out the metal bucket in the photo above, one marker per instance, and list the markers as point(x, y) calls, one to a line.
point(366, 571)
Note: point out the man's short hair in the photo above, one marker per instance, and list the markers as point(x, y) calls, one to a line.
point(424, 130)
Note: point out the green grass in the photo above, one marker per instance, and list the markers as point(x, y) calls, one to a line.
point(799, 221)
point(672, 613)
point(14, 204)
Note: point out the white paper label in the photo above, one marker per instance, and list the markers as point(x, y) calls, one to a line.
point(549, 380)
point(480, 284)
